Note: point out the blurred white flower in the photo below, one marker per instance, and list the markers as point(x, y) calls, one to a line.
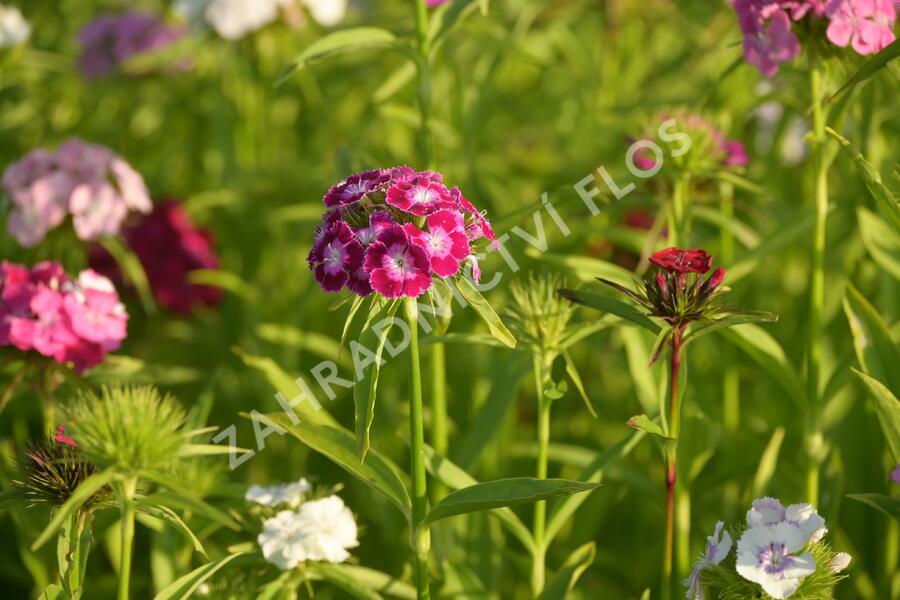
point(232, 19)
point(840, 562)
point(14, 29)
point(717, 547)
point(766, 554)
point(283, 493)
point(326, 12)
point(319, 530)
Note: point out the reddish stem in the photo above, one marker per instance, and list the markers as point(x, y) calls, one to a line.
point(671, 459)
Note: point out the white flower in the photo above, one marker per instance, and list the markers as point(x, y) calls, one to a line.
point(766, 554)
point(283, 493)
point(840, 562)
point(232, 19)
point(14, 29)
point(769, 511)
point(327, 12)
point(717, 547)
point(319, 530)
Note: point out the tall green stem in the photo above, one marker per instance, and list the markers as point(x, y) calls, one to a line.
point(671, 461)
point(420, 536)
point(126, 508)
point(540, 508)
point(679, 217)
point(813, 442)
point(423, 84)
point(438, 409)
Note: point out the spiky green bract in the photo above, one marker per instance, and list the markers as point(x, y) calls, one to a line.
point(539, 316)
point(132, 428)
point(51, 472)
point(722, 582)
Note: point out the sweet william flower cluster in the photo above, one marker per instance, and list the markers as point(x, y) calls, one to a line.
point(770, 40)
point(391, 231)
point(73, 321)
point(87, 181)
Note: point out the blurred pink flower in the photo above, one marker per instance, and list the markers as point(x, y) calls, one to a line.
point(896, 475)
point(70, 321)
point(88, 181)
point(169, 247)
point(768, 39)
point(60, 436)
point(111, 39)
point(866, 25)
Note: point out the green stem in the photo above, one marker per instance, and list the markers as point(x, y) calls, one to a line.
point(671, 462)
point(679, 219)
point(420, 537)
point(813, 423)
point(438, 410)
point(126, 508)
point(423, 83)
point(540, 508)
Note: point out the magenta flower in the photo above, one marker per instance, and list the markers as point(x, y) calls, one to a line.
point(85, 180)
point(419, 195)
point(768, 38)
point(169, 247)
point(392, 230)
point(73, 322)
point(445, 241)
point(60, 436)
point(865, 25)
point(896, 475)
point(111, 39)
point(397, 266)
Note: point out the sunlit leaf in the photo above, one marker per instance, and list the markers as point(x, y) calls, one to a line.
point(354, 39)
point(185, 586)
point(485, 311)
point(563, 581)
point(610, 305)
point(82, 494)
point(886, 504)
point(887, 407)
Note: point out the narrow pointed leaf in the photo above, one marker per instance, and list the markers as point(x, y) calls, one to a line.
point(82, 494)
point(887, 407)
point(610, 305)
point(736, 318)
point(504, 492)
point(185, 586)
point(340, 42)
point(876, 351)
point(882, 242)
point(168, 515)
point(572, 372)
point(341, 579)
point(886, 504)
point(564, 579)
point(644, 423)
point(366, 389)
point(485, 311)
point(768, 353)
point(868, 69)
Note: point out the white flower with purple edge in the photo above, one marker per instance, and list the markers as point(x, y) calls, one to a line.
point(283, 493)
point(768, 555)
point(718, 545)
point(769, 511)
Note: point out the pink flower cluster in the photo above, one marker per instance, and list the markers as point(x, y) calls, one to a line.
point(730, 153)
point(87, 181)
point(390, 231)
point(73, 321)
point(769, 40)
point(110, 39)
point(169, 247)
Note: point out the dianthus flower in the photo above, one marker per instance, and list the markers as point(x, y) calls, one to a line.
point(391, 231)
point(283, 493)
point(87, 181)
point(72, 321)
point(718, 545)
point(865, 25)
point(169, 247)
point(111, 39)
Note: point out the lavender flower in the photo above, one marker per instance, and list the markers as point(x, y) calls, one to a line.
point(718, 545)
point(768, 555)
point(111, 39)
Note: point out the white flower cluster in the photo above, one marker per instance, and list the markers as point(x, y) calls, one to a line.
point(233, 19)
point(773, 551)
point(283, 493)
point(14, 29)
point(319, 530)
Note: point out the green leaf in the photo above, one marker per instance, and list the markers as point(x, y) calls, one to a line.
point(366, 389)
point(886, 504)
point(53, 592)
point(294, 337)
point(503, 492)
point(768, 463)
point(207, 450)
point(610, 305)
point(880, 192)
point(340, 42)
point(741, 232)
point(868, 69)
point(882, 242)
point(646, 383)
point(224, 280)
point(775, 243)
point(572, 372)
point(768, 353)
point(644, 423)
point(456, 478)
point(351, 314)
point(584, 268)
point(183, 498)
point(875, 349)
point(338, 577)
point(168, 515)
point(485, 311)
point(736, 318)
point(564, 579)
point(376, 580)
point(82, 494)
point(184, 587)
point(132, 269)
point(887, 407)
point(736, 180)
point(73, 545)
point(339, 445)
point(447, 16)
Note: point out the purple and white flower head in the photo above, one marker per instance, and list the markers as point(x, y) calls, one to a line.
point(391, 231)
point(718, 545)
point(771, 556)
point(769, 511)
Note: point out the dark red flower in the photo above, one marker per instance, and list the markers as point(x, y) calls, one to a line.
point(675, 260)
